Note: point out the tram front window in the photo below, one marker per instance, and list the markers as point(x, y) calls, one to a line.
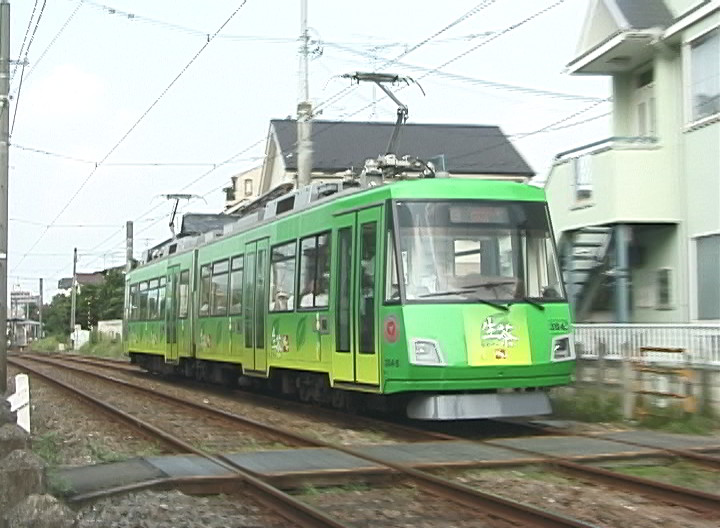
point(474, 250)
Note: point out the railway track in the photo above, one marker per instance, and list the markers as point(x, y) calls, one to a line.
point(682, 496)
point(473, 499)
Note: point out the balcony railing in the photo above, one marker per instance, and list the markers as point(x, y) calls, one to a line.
point(602, 145)
point(624, 341)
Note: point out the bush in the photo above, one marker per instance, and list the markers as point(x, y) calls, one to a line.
point(48, 344)
point(587, 405)
point(103, 346)
point(674, 419)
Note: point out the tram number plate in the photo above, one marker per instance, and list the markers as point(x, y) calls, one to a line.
point(559, 326)
point(392, 363)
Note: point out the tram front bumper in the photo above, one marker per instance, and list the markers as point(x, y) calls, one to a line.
point(474, 406)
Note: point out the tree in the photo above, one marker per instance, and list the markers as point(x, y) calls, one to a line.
point(95, 302)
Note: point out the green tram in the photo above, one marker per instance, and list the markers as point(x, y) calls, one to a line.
point(439, 297)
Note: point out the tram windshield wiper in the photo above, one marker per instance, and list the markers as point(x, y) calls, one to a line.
point(464, 292)
point(535, 303)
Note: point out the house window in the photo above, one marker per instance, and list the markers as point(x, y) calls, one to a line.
point(582, 172)
point(248, 187)
point(708, 278)
point(705, 75)
point(664, 288)
point(645, 104)
point(282, 277)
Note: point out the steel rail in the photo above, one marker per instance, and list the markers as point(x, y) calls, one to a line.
point(467, 496)
point(694, 454)
point(399, 429)
point(279, 501)
point(666, 492)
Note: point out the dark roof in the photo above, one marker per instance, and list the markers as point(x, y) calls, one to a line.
point(198, 223)
point(644, 14)
point(341, 145)
point(83, 279)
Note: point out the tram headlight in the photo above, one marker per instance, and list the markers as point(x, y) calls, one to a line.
point(563, 348)
point(425, 352)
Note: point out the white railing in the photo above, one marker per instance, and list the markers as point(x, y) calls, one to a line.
point(623, 341)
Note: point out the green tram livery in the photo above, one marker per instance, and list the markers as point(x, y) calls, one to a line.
point(441, 297)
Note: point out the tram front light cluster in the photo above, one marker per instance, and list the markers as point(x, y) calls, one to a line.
point(563, 348)
point(425, 352)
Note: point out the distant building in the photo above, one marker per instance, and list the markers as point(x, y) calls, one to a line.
point(638, 214)
point(84, 279)
point(244, 188)
point(342, 147)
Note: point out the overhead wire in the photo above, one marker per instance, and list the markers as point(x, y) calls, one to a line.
point(135, 125)
point(27, 32)
point(55, 38)
point(24, 63)
point(431, 71)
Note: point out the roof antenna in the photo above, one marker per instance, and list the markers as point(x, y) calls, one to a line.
point(380, 79)
point(177, 198)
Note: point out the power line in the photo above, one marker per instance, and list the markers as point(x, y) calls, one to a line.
point(474, 80)
point(134, 126)
point(22, 72)
point(56, 37)
point(27, 32)
point(126, 163)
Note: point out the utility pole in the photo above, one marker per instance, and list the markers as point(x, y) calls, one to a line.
point(304, 108)
point(128, 246)
point(4, 147)
point(73, 293)
point(40, 310)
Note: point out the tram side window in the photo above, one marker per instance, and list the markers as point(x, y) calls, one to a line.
point(342, 301)
point(220, 288)
point(392, 288)
point(152, 306)
point(282, 278)
point(184, 294)
point(367, 288)
point(315, 271)
point(161, 299)
point(132, 303)
point(143, 304)
point(205, 290)
point(236, 284)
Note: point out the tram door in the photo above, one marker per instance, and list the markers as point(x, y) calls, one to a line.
point(171, 313)
point(357, 247)
point(255, 301)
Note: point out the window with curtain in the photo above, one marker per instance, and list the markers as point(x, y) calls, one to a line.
point(705, 75)
point(708, 278)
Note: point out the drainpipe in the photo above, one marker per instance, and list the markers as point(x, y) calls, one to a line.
point(622, 273)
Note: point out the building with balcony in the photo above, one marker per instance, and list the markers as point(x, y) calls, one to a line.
point(637, 215)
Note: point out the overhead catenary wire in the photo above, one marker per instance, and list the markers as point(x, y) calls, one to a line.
point(135, 125)
point(24, 41)
point(55, 38)
point(22, 72)
point(485, 42)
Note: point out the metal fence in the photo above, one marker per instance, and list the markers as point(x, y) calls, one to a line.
point(624, 341)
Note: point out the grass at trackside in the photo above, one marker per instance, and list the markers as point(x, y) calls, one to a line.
point(98, 346)
point(683, 474)
point(587, 405)
point(592, 405)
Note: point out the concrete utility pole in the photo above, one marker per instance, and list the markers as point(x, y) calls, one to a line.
point(304, 109)
point(73, 293)
point(40, 329)
point(4, 147)
point(128, 246)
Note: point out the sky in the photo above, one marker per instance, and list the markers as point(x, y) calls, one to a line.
point(122, 102)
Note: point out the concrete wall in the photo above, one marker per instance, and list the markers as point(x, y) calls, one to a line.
point(619, 377)
point(111, 328)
